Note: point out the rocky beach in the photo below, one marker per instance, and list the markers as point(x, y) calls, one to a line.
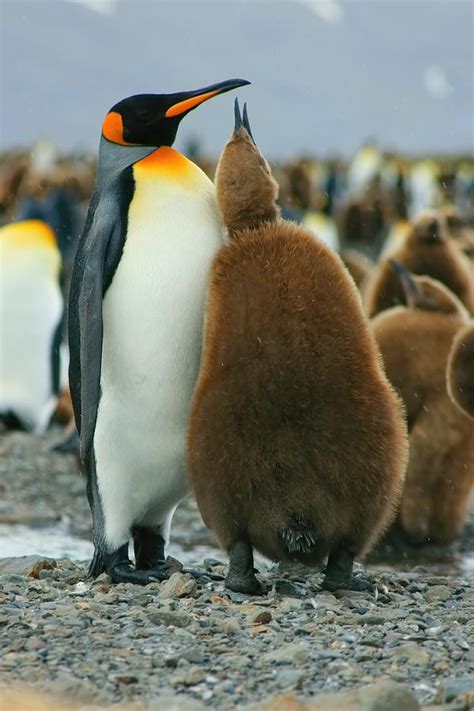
point(186, 644)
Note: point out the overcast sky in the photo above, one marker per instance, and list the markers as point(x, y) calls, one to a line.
point(326, 74)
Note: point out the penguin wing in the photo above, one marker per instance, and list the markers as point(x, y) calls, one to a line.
point(97, 257)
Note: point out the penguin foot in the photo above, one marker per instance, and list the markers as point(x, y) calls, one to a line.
point(126, 573)
point(248, 584)
point(339, 571)
point(241, 576)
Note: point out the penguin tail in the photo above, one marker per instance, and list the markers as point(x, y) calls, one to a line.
point(299, 536)
point(97, 565)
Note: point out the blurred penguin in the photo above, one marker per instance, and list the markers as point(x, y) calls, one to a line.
point(416, 341)
point(460, 372)
point(31, 313)
point(426, 249)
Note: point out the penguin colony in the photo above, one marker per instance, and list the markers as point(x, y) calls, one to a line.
point(423, 344)
point(287, 349)
point(129, 214)
point(426, 249)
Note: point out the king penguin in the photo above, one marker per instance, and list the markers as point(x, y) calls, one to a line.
point(135, 323)
point(31, 315)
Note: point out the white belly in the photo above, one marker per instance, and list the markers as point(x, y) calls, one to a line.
point(153, 315)
point(31, 307)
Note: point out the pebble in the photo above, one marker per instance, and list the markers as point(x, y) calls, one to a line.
point(179, 644)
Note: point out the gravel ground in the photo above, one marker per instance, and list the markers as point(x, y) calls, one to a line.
point(413, 635)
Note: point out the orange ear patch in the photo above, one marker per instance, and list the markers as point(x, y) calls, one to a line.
point(112, 129)
point(187, 104)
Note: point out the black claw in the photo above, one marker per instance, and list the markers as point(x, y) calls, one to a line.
point(245, 119)
point(237, 116)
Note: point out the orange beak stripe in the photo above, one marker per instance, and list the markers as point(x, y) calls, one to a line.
point(188, 104)
point(112, 129)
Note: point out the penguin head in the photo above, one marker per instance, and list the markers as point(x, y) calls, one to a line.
point(426, 294)
point(246, 190)
point(429, 230)
point(153, 119)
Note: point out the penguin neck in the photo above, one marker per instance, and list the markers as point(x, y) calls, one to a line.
point(114, 159)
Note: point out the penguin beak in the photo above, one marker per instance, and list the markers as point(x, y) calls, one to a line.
point(241, 120)
point(188, 100)
point(409, 285)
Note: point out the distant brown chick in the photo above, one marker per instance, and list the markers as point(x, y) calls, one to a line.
point(416, 341)
point(460, 372)
point(427, 249)
point(297, 444)
point(358, 265)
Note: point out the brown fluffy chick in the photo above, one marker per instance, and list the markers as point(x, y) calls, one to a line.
point(297, 443)
point(460, 372)
point(416, 341)
point(427, 249)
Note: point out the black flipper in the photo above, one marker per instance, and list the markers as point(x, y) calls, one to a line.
point(299, 537)
point(97, 257)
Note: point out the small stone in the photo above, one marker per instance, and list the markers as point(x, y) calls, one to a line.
point(412, 652)
point(167, 618)
point(27, 565)
point(230, 627)
point(191, 677)
point(437, 593)
point(453, 688)
point(387, 696)
point(289, 589)
point(193, 655)
point(177, 586)
point(288, 654)
point(289, 679)
point(261, 618)
point(125, 679)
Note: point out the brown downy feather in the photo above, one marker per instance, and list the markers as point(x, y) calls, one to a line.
point(415, 341)
point(297, 441)
point(427, 249)
point(358, 265)
point(460, 371)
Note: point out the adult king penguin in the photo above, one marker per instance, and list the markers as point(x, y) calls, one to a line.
point(135, 323)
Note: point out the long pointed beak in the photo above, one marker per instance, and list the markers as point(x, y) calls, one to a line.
point(409, 285)
point(186, 101)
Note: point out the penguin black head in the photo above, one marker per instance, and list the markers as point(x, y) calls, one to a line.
point(153, 119)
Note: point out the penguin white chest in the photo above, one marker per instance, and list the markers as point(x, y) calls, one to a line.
point(153, 317)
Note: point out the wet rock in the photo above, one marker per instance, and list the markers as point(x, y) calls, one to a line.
point(288, 589)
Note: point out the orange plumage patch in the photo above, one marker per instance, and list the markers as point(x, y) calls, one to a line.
point(112, 129)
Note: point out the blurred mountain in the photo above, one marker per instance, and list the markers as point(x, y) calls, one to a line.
point(326, 75)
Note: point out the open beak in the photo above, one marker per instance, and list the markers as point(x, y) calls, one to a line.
point(241, 120)
point(188, 100)
point(409, 285)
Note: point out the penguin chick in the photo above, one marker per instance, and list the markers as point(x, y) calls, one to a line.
point(255, 186)
point(415, 341)
point(460, 372)
point(426, 249)
point(274, 463)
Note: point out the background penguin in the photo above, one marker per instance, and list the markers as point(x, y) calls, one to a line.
point(427, 249)
point(460, 372)
point(415, 341)
point(31, 312)
point(135, 321)
point(286, 350)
